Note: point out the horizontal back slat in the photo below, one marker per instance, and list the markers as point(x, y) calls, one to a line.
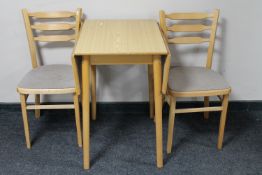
point(188, 40)
point(61, 14)
point(61, 26)
point(55, 38)
point(188, 16)
point(188, 28)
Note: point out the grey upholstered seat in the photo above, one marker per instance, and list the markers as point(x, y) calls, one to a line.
point(57, 76)
point(184, 79)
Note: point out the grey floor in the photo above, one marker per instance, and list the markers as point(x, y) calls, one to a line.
point(124, 143)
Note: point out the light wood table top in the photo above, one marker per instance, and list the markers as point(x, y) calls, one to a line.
point(120, 37)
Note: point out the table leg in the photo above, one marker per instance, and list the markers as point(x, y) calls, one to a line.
point(93, 90)
point(151, 90)
point(85, 108)
point(158, 109)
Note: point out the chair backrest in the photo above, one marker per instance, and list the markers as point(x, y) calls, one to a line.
point(38, 24)
point(187, 28)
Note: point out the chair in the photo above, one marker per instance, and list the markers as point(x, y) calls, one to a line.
point(193, 81)
point(50, 79)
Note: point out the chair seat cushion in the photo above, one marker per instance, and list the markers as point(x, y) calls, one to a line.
point(186, 79)
point(57, 76)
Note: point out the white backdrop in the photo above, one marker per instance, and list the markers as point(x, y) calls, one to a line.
point(238, 53)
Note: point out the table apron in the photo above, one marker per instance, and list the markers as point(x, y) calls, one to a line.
point(121, 59)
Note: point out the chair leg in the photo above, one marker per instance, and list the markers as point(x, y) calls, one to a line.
point(171, 122)
point(37, 102)
point(206, 104)
point(25, 120)
point(222, 122)
point(151, 91)
point(77, 118)
point(93, 89)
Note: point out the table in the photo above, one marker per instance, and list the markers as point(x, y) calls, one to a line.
point(114, 42)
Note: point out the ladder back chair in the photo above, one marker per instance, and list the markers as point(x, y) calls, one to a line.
point(193, 81)
point(55, 78)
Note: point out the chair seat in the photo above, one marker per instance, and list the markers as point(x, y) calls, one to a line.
point(187, 79)
point(57, 76)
